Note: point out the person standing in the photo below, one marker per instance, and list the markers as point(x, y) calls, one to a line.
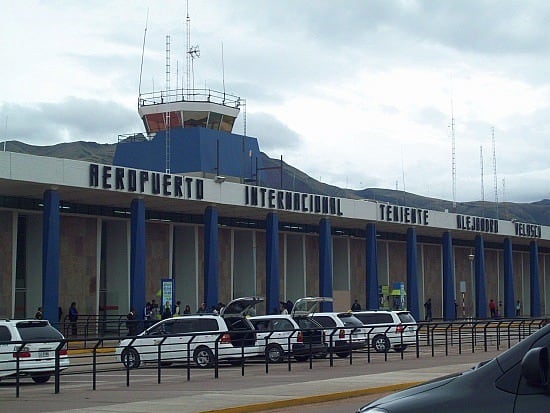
point(177, 310)
point(73, 317)
point(131, 322)
point(202, 308)
point(39, 315)
point(147, 315)
point(518, 308)
point(492, 308)
point(167, 311)
point(356, 306)
point(428, 310)
point(187, 309)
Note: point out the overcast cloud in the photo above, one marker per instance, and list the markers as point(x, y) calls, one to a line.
point(355, 93)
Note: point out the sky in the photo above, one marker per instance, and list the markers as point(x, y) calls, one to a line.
point(355, 93)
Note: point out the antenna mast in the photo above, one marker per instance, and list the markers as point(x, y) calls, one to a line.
point(142, 53)
point(453, 165)
point(481, 165)
point(167, 113)
point(192, 53)
point(495, 170)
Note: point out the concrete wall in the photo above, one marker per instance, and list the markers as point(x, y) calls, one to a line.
point(6, 262)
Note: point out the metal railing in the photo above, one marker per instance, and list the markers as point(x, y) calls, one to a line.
point(431, 339)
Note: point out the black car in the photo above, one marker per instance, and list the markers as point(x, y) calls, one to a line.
point(516, 381)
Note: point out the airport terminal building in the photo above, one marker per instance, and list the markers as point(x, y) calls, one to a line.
point(178, 205)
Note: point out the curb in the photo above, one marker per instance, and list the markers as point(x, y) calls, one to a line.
point(250, 408)
point(89, 350)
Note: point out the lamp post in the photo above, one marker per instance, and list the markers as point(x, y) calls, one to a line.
point(471, 257)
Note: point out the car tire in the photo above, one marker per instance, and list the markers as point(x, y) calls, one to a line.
point(41, 379)
point(343, 354)
point(400, 349)
point(274, 353)
point(130, 358)
point(203, 357)
point(381, 344)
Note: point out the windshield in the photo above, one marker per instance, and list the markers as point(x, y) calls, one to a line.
point(37, 330)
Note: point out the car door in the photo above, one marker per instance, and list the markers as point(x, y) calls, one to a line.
point(7, 362)
point(283, 333)
point(308, 305)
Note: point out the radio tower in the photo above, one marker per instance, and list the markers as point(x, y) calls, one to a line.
point(481, 165)
point(191, 54)
point(495, 171)
point(167, 113)
point(453, 156)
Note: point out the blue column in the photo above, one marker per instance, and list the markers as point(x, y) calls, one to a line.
point(509, 306)
point(211, 260)
point(372, 268)
point(137, 256)
point(481, 291)
point(534, 283)
point(50, 257)
point(325, 262)
point(412, 274)
point(272, 263)
point(448, 278)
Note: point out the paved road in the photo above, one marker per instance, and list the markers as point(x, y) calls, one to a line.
point(254, 391)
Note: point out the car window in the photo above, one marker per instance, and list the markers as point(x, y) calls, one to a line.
point(5, 334)
point(182, 326)
point(350, 320)
point(307, 323)
point(406, 317)
point(260, 325)
point(281, 325)
point(207, 324)
point(325, 321)
point(41, 330)
point(367, 318)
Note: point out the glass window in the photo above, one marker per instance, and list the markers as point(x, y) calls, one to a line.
point(325, 321)
point(350, 321)
point(227, 123)
point(207, 324)
point(282, 325)
point(37, 330)
point(406, 318)
point(192, 119)
point(5, 334)
point(214, 120)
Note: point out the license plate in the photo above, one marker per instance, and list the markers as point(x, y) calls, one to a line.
point(43, 354)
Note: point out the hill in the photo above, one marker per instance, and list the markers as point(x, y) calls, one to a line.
point(296, 180)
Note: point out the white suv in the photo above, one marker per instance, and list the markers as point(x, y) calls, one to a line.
point(281, 334)
point(194, 337)
point(389, 329)
point(344, 332)
point(22, 339)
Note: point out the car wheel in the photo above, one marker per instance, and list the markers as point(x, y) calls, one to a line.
point(400, 349)
point(41, 379)
point(274, 353)
point(203, 357)
point(130, 358)
point(381, 344)
point(343, 354)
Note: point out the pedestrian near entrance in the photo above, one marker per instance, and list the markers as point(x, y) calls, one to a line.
point(167, 311)
point(177, 311)
point(492, 308)
point(428, 310)
point(131, 322)
point(39, 315)
point(518, 308)
point(356, 306)
point(73, 317)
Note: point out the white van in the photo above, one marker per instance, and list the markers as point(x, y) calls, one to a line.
point(389, 329)
point(22, 339)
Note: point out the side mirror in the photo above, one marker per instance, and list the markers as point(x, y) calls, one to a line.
point(534, 367)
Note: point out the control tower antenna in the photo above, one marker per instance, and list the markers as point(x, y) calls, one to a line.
point(453, 165)
point(191, 54)
point(142, 53)
point(481, 166)
point(167, 98)
point(495, 170)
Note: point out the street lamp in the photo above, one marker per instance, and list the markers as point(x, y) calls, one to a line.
point(471, 257)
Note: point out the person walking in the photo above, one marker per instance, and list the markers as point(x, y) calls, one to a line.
point(428, 310)
point(492, 308)
point(518, 308)
point(73, 317)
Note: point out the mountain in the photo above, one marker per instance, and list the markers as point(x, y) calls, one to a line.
point(295, 180)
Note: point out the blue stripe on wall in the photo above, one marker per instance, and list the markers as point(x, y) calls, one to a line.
point(534, 283)
point(372, 268)
point(272, 264)
point(509, 306)
point(211, 282)
point(137, 256)
point(50, 257)
point(448, 278)
point(481, 291)
point(325, 263)
point(412, 274)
